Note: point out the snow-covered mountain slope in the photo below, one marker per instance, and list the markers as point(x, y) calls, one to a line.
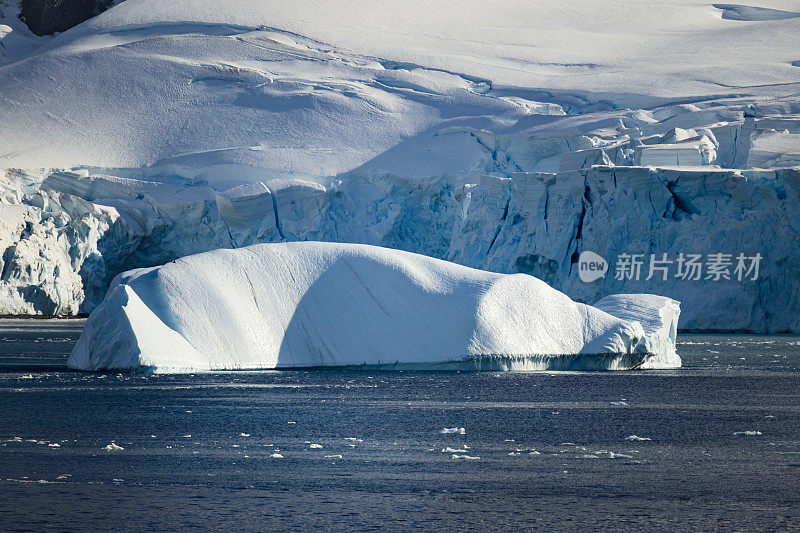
point(249, 89)
point(680, 47)
point(313, 304)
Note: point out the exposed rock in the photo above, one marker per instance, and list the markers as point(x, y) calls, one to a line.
point(46, 17)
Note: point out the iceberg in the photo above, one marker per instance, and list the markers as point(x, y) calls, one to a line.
point(315, 304)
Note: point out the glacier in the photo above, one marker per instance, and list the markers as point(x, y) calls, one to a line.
point(91, 228)
point(311, 304)
point(510, 140)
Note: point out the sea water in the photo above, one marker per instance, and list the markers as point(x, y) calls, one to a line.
point(715, 444)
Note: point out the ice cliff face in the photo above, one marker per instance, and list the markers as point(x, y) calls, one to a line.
point(51, 261)
point(532, 201)
point(70, 234)
point(540, 224)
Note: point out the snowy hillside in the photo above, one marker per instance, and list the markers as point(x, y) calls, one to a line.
point(303, 89)
point(508, 136)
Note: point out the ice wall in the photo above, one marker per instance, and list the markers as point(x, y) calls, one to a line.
point(540, 224)
point(67, 235)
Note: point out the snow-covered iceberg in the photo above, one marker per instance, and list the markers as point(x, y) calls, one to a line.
point(313, 304)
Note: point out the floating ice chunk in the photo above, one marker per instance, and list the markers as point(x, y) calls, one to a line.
point(234, 309)
point(244, 434)
point(619, 403)
point(113, 447)
point(54, 445)
point(277, 456)
point(187, 436)
point(315, 446)
point(612, 455)
point(334, 456)
point(453, 450)
point(353, 439)
point(636, 438)
point(749, 433)
point(468, 457)
point(456, 431)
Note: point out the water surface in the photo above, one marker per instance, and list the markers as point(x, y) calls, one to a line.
point(365, 450)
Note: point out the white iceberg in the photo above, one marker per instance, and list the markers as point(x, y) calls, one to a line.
point(310, 304)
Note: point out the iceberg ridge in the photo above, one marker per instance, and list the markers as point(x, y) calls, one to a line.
point(313, 304)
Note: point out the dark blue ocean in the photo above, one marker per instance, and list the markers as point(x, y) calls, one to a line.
point(713, 445)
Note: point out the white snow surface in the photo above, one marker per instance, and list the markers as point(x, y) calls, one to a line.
point(309, 304)
point(582, 44)
point(315, 89)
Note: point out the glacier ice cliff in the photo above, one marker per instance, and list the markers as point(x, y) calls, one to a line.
point(310, 304)
point(66, 235)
